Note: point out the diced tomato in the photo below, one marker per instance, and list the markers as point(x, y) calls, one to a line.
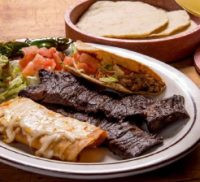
point(45, 52)
point(62, 56)
point(77, 56)
point(23, 62)
point(39, 62)
point(36, 59)
point(83, 66)
point(50, 64)
point(91, 62)
point(52, 50)
point(29, 70)
point(68, 61)
point(43, 63)
point(58, 61)
point(30, 50)
point(29, 54)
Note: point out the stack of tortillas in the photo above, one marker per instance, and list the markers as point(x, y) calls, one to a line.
point(133, 19)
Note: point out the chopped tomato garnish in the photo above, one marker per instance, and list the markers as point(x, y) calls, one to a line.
point(52, 50)
point(29, 54)
point(77, 56)
point(39, 62)
point(68, 61)
point(87, 69)
point(83, 66)
point(50, 64)
point(43, 58)
point(29, 70)
point(91, 62)
point(35, 59)
point(58, 61)
point(45, 52)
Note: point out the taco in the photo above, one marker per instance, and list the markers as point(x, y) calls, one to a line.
point(113, 71)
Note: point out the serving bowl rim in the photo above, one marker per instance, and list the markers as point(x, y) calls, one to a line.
point(69, 22)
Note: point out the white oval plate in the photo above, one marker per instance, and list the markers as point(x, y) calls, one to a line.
point(179, 139)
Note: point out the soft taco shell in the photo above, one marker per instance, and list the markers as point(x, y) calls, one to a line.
point(129, 64)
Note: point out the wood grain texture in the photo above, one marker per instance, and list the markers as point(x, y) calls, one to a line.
point(43, 18)
point(32, 18)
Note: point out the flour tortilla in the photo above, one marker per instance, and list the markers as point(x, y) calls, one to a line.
point(190, 28)
point(122, 19)
point(178, 20)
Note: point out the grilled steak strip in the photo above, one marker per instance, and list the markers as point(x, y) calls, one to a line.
point(164, 112)
point(125, 139)
point(65, 89)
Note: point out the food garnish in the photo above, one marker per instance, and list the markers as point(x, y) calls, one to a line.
point(3, 62)
point(13, 48)
point(40, 58)
point(11, 78)
point(61, 44)
point(109, 79)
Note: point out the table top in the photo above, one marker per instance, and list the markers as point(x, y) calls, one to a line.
point(43, 18)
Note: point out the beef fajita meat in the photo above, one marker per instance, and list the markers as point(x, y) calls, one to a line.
point(164, 112)
point(65, 89)
point(125, 139)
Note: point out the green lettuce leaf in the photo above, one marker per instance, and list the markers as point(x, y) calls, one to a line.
point(3, 62)
point(109, 79)
point(12, 80)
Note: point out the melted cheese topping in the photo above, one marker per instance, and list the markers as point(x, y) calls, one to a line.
point(37, 122)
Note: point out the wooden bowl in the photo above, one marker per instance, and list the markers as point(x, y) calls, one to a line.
point(167, 49)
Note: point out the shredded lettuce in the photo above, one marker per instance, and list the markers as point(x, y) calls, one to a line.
point(118, 71)
point(32, 80)
point(3, 62)
point(14, 69)
point(12, 91)
point(16, 82)
point(74, 50)
point(114, 71)
point(109, 79)
point(11, 79)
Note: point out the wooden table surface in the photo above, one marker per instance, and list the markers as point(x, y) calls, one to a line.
point(43, 18)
